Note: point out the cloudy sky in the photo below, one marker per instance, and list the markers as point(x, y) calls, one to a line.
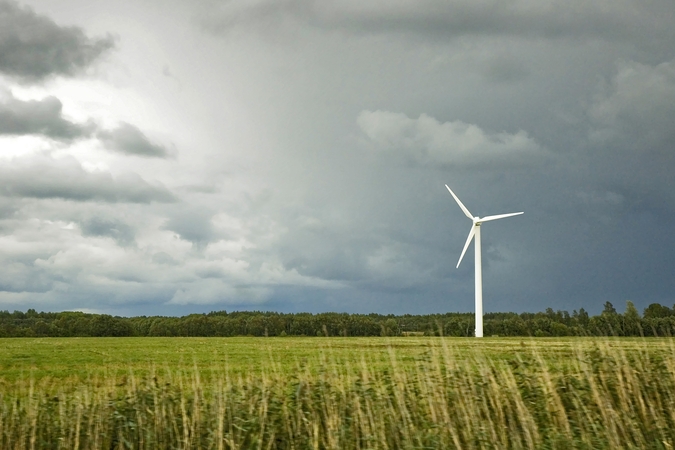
point(169, 157)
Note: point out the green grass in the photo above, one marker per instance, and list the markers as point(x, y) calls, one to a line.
point(366, 393)
point(22, 358)
point(83, 357)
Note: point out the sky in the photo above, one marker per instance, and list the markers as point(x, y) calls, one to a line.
point(172, 157)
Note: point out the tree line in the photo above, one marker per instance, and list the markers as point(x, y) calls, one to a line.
point(656, 320)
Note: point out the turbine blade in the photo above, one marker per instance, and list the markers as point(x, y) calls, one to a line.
point(499, 216)
point(466, 245)
point(466, 211)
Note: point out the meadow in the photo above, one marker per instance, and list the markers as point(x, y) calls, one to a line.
point(335, 393)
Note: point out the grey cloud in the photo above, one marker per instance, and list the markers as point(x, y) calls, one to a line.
point(193, 224)
point(215, 291)
point(119, 231)
point(128, 139)
point(210, 272)
point(33, 47)
point(506, 70)
point(42, 117)
point(426, 141)
point(163, 258)
point(7, 209)
point(362, 247)
point(17, 276)
point(65, 178)
point(200, 188)
point(223, 16)
point(45, 117)
point(632, 133)
point(637, 106)
point(335, 258)
point(526, 18)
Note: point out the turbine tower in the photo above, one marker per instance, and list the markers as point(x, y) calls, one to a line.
point(475, 233)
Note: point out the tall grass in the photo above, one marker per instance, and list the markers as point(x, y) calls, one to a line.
point(603, 396)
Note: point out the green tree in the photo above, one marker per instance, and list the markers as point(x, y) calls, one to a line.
point(580, 318)
point(106, 325)
point(609, 309)
point(655, 311)
point(390, 327)
point(631, 320)
point(41, 328)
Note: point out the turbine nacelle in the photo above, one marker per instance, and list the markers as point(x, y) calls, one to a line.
point(476, 222)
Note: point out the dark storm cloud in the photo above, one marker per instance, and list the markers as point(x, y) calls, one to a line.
point(65, 178)
point(128, 139)
point(42, 117)
point(326, 254)
point(524, 18)
point(33, 47)
point(119, 231)
point(632, 135)
point(637, 107)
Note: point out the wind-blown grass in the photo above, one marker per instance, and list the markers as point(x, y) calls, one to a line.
point(595, 394)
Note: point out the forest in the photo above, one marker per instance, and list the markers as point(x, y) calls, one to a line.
point(656, 320)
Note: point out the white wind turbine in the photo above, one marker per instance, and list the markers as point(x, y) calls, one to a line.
point(475, 232)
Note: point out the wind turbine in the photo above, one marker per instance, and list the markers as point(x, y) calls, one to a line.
point(475, 233)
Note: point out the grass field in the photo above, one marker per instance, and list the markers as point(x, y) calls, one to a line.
point(366, 393)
